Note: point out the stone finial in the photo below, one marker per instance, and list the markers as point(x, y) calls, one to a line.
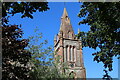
point(78, 30)
point(55, 37)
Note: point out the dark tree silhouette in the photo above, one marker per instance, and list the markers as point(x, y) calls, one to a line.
point(104, 21)
point(15, 58)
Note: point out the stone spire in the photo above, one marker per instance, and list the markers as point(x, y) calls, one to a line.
point(65, 14)
point(66, 27)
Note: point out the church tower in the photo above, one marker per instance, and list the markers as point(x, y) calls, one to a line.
point(69, 48)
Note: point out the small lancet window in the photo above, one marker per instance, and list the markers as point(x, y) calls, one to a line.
point(66, 52)
point(70, 35)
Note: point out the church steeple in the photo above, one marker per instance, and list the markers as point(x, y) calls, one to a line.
point(66, 27)
point(69, 49)
point(65, 14)
point(65, 19)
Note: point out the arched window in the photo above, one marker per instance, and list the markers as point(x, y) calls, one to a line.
point(71, 50)
point(74, 49)
point(67, 53)
point(73, 53)
point(70, 53)
point(72, 75)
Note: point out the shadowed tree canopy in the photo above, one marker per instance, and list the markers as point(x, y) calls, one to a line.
point(15, 58)
point(104, 21)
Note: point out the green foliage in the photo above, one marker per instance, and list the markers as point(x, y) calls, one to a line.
point(104, 21)
point(61, 68)
point(44, 66)
point(14, 57)
point(25, 8)
point(40, 56)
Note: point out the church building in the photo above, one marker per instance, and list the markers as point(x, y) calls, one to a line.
point(69, 48)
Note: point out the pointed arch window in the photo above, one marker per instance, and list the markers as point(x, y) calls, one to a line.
point(70, 53)
point(73, 54)
point(67, 53)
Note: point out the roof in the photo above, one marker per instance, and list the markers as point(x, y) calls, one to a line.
point(66, 26)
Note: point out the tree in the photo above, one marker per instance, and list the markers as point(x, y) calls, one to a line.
point(15, 58)
point(104, 21)
point(41, 56)
point(25, 8)
point(44, 66)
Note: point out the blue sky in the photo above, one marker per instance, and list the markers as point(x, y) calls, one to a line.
point(48, 23)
